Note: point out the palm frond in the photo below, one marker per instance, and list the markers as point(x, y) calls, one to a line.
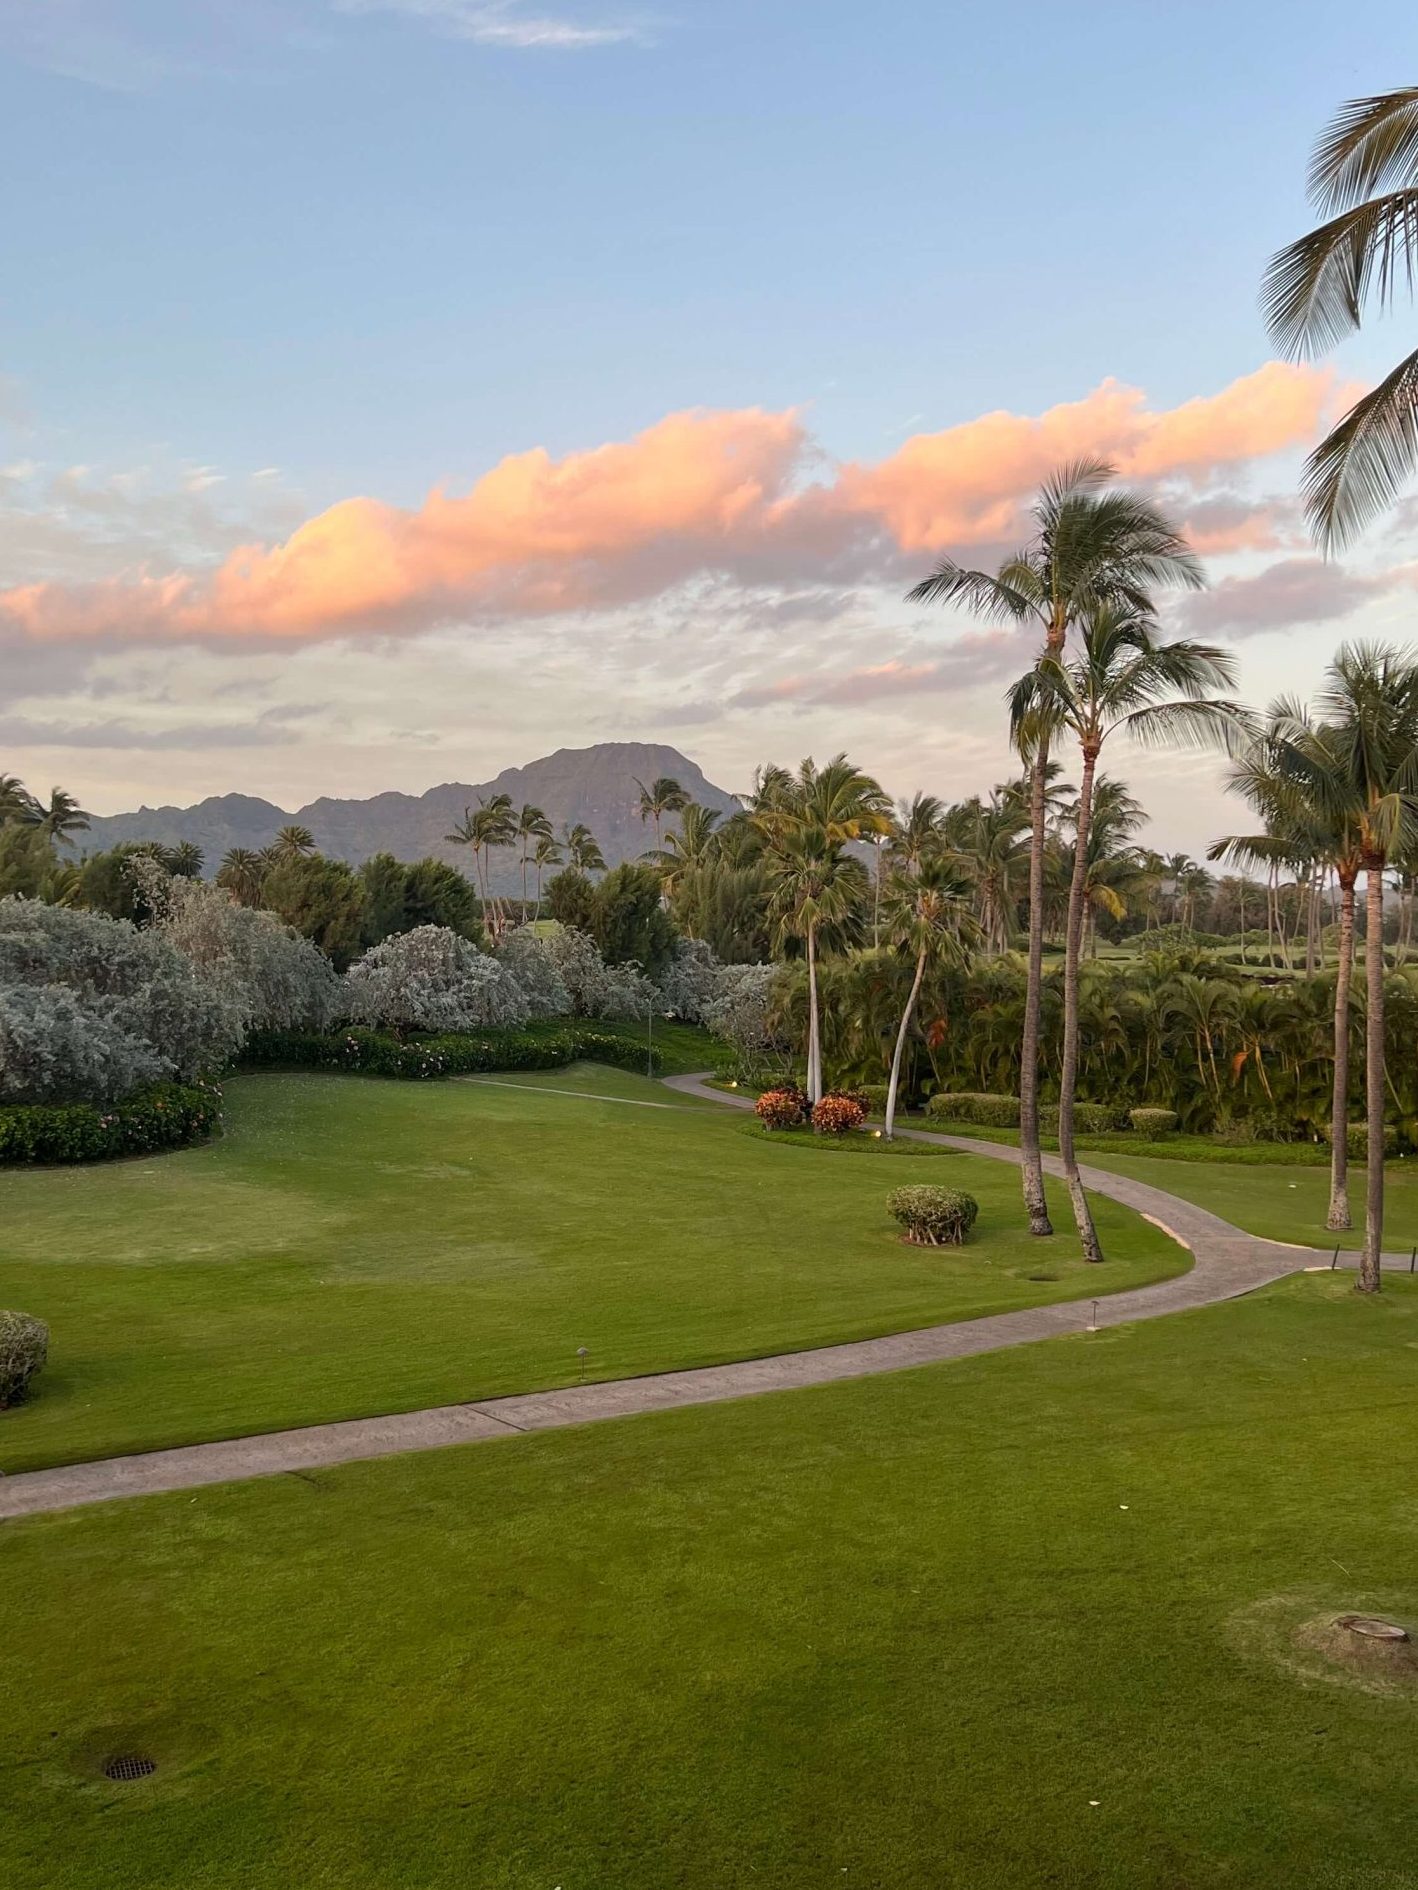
point(1315, 288)
point(1371, 142)
point(1364, 462)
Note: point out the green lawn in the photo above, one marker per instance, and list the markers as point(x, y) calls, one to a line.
point(1036, 1618)
point(355, 1246)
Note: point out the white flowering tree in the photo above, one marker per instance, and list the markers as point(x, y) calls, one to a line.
point(741, 1013)
point(90, 1007)
point(691, 981)
point(279, 980)
point(528, 961)
point(431, 979)
point(594, 988)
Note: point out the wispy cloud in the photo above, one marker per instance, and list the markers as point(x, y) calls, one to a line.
point(509, 23)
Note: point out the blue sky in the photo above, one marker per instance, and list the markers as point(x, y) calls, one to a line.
point(265, 257)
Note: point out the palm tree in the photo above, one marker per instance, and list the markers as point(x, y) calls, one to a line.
point(531, 824)
point(16, 802)
point(926, 912)
point(1089, 546)
point(687, 848)
point(1369, 705)
point(294, 842)
point(491, 825)
point(185, 860)
point(62, 817)
point(547, 853)
point(663, 796)
point(1122, 678)
point(816, 883)
point(1364, 182)
point(988, 837)
point(1292, 777)
point(582, 850)
point(243, 873)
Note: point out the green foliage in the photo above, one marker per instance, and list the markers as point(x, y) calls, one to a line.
point(571, 900)
point(629, 923)
point(932, 1216)
point(162, 1116)
point(323, 899)
point(989, 1111)
point(1088, 1118)
point(449, 1053)
point(872, 1097)
point(24, 1346)
point(1152, 1123)
point(28, 862)
point(382, 878)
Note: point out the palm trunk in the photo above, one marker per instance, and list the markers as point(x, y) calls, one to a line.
point(1338, 1218)
point(814, 1044)
point(1068, 1075)
point(897, 1055)
point(1374, 1078)
point(1031, 1161)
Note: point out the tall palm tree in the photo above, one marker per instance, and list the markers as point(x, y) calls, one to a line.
point(531, 825)
point(988, 836)
point(663, 796)
point(1292, 777)
point(1369, 704)
point(1121, 678)
point(547, 853)
point(816, 884)
point(491, 824)
point(243, 873)
point(582, 849)
point(294, 842)
point(686, 847)
point(926, 912)
point(62, 817)
point(16, 802)
point(1089, 546)
point(1364, 183)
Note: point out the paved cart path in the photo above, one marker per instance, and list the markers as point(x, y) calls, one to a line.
point(1227, 1262)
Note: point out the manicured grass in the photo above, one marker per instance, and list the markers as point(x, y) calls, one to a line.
point(1168, 1148)
point(1024, 1620)
point(679, 1048)
point(1280, 1203)
point(356, 1246)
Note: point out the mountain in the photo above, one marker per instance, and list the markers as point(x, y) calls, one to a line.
point(594, 785)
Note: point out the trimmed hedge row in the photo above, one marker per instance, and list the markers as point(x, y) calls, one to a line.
point(1002, 1112)
point(988, 1112)
point(376, 1053)
point(166, 1115)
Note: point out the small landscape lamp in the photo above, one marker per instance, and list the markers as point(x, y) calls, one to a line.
point(582, 1354)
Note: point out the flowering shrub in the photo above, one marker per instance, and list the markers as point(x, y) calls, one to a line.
point(24, 1346)
point(932, 1216)
point(431, 979)
point(165, 1115)
point(375, 1053)
point(784, 1108)
point(838, 1115)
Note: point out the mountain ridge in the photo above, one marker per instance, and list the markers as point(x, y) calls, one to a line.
point(595, 785)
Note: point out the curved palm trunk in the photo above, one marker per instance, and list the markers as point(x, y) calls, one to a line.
point(1031, 1162)
point(898, 1053)
point(1338, 1218)
point(1068, 1075)
point(1374, 1077)
point(814, 1039)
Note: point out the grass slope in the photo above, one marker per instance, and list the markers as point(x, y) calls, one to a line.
point(355, 1246)
point(1023, 1620)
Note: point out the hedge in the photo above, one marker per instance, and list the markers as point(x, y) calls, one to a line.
point(872, 1097)
point(1088, 1118)
point(989, 1112)
point(163, 1116)
point(1359, 1139)
point(377, 1053)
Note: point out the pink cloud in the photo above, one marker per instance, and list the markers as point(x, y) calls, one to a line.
point(699, 493)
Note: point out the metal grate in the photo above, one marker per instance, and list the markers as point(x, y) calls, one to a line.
point(129, 1765)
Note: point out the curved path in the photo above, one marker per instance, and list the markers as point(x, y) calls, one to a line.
point(1227, 1262)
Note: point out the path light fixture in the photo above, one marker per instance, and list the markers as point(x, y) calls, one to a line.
point(582, 1354)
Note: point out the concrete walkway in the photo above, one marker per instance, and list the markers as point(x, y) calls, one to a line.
point(1227, 1262)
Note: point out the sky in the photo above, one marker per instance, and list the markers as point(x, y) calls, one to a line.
point(393, 391)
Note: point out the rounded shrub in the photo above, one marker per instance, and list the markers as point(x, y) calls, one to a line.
point(838, 1115)
point(986, 1111)
point(24, 1346)
point(1153, 1123)
point(781, 1108)
point(932, 1216)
